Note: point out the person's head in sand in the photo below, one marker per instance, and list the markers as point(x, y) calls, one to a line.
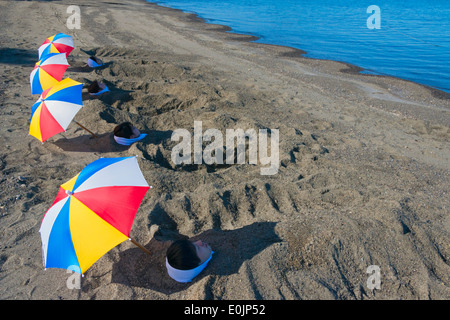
point(126, 130)
point(96, 87)
point(186, 259)
point(126, 134)
point(94, 62)
point(95, 59)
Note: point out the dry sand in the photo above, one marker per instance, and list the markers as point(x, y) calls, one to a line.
point(363, 177)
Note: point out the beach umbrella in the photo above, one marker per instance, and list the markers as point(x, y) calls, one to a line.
point(55, 109)
point(92, 213)
point(58, 43)
point(47, 72)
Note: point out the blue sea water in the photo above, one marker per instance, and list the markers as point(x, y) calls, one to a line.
point(413, 41)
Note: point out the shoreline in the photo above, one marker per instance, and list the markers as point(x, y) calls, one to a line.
point(424, 102)
point(298, 52)
point(362, 177)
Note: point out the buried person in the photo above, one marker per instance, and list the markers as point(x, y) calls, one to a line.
point(126, 134)
point(97, 88)
point(94, 62)
point(186, 259)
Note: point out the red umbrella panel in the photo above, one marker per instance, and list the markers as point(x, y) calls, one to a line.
point(92, 213)
point(55, 109)
point(58, 43)
point(48, 72)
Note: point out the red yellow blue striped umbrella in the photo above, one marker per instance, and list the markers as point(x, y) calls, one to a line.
point(92, 213)
point(55, 109)
point(58, 43)
point(47, 72)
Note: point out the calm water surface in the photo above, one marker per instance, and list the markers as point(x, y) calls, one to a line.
point(413, 41)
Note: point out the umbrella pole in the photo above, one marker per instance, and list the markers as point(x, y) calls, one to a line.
point(86, 129)
point(140, 246)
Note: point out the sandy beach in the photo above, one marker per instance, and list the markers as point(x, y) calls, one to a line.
point(363, 176)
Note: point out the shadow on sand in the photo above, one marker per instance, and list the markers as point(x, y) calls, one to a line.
point(231, 249)
point(18, 56)
point(105, 142)
point(87, 143)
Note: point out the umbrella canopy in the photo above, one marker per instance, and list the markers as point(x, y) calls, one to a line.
point(55, 109)
point(92, 213)
point(58, 43)
point(47, 72)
